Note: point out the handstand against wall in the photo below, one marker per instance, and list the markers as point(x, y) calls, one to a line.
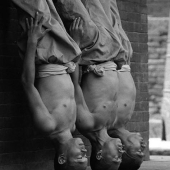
point(108, 88)
point(52, 103)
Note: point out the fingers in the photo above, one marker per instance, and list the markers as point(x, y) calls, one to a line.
point(46, 31)
point(77, 24)
point(36, 18)
point(41, 22)
point(77, 21)
point(73, 25)
point(27, 23)
point(81, 24)
point(31, 22)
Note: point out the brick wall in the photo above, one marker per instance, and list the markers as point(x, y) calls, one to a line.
point(21, 146)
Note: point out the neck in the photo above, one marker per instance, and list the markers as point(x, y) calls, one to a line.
point(61, 140)
point(122, 134)
point(100, 137)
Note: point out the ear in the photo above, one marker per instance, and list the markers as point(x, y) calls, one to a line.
point(99, 155)
point(61, 159)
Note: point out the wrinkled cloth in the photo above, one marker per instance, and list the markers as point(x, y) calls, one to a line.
point(125, 68)
point(45, 70)
point(56, 46)
point(100, 69)
point(103, 39)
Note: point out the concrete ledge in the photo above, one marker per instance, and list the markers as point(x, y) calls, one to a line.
point(156, 163)
point(159, 147)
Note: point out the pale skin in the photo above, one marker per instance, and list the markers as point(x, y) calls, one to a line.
point(51, 102)
point(126, 103)
point(93, 123)
point(113, 97)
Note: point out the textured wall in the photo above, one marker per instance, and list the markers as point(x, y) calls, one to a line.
point(158, 8)
point(21, 146)
point(158, 11)
point(157, 44)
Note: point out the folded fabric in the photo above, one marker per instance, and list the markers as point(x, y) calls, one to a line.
point(104, 38)
point(57, 42)
point(45, 70)
point(100, 69)
point(125, 68)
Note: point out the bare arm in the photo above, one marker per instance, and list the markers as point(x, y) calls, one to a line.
point(41, 116)
point(85, 120)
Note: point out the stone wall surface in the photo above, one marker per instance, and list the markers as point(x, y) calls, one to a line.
point(22, 147)
point(157, 45)
point(158, 11)
point(158, 8)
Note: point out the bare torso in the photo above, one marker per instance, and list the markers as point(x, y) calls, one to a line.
point(57, 93)
point(126, 99)
point(111, 97)
point(100, 94)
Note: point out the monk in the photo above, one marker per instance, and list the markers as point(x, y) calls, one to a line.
point(107, 84)
point(52, 103)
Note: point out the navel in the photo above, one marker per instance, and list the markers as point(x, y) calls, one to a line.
point(64, 105)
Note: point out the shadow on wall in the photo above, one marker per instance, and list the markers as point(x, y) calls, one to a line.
point(20, 142)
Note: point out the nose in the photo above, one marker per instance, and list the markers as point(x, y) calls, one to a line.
point(139, 135)
point(118, 142)
point(143, 144)
point(117, 159)
point(80, 140)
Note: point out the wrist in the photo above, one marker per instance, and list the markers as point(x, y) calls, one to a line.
point(32, 41)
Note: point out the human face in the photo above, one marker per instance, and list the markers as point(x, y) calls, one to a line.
point(77, 153)
point(113, 150)
point(136, 146)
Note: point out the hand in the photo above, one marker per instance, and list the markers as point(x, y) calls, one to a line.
point(34, 28)
point(76, 30)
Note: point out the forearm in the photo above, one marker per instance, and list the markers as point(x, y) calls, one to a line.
point(79, 97)
point(28, 74)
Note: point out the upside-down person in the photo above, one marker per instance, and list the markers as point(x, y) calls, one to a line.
point(106, 151)
point(107, 84)
point(49, 89)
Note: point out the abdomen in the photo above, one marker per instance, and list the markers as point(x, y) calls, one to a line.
point(57, 93)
